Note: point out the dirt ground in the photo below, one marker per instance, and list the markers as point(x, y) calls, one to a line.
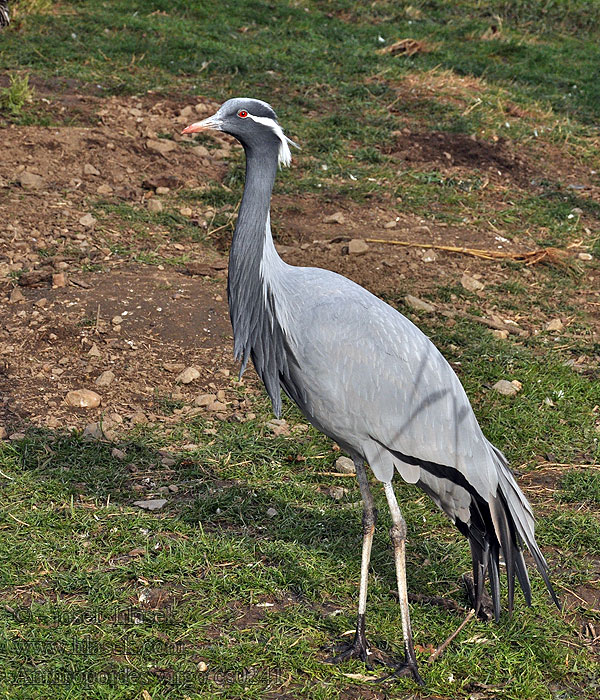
point(75, 305)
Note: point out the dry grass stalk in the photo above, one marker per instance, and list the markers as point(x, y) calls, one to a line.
point(551, 256)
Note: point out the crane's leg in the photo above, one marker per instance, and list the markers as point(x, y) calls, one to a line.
point(359, 649)
point(398, 535)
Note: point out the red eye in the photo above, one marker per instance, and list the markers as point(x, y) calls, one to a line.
point(242, 113)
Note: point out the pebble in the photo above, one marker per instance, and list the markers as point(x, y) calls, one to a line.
point(338, 492)
point(201, 151)
point(185, 211)
point(271, 512)
point(507, 388)
point(345, 465)
point(585, 256)
point(279, 426)
point(93, 430)
point(337, 218)
point(3, 433)
point(118, 454)
point(173, 488)
point(188, 375)
point(41, 303)
point(163, 190)
point(499, 333)
point(168, 461)
point(152, 504)
point(59, 280)
point(471, 284)
point(116, 320)
point(16, 295)
point(88, 221)
point(30, 181)
point(155, 206)
point(390, 224)
point(89, 169)
point(357, 246)
point(138, 418)
point(419, 304)
point(106, 378)
point(554, 325)
point(217, 406)
point(104, 189)
point(162, 146)
point(83, 398)
point(205, 399)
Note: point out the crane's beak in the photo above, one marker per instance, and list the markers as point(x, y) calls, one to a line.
point(209, 123)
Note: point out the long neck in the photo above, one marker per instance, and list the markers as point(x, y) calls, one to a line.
point(245, 287)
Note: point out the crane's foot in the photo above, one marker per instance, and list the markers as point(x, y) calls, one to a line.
point(404, 670)
point(486, 607)
point(360, 649)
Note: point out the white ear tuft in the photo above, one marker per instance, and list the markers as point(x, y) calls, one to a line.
point(284, 157)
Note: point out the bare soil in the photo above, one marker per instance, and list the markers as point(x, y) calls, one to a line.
point(55, 338)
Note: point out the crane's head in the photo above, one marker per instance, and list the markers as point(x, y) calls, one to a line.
point(252, 122)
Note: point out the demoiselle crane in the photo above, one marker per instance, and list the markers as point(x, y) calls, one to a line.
point(368, 378)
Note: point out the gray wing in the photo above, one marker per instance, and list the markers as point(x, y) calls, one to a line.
point(374, 382)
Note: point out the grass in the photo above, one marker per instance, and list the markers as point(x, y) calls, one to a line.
point(14, 97)
point(78, 560)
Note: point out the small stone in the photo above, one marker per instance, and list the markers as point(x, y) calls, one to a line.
point(357, 246)
point(205, 400)
point(104, 189)
point(201, 666)
point(16, 436)
point(585, 256)
point(471, 284)
point(345, 465)
point(16, 295)
point(429, 256)
point(88, 221)
point(217, 406)
point(163, 490)
point(188, 375)
point(499, 333)
point(30, 181)
point(419, 304)
point(152, 504)
point(105, 379)
point(83, 398)
point(59, 279)
point(155, 206)
point(201, 151)
point(390, 224)
point(185, 211)
point(163, 190)
point(41, 303)
point(116, 320)
point(118, 454)
point(94, 431)
point(271, 512)
point(89, 169)
point(162, 146)
point(554, 325)
point(279, 426)
point(506, 388)
point(337, 218)
point(94, 352)
point(138, 418)
point(337, 492)
point(173, 488)
point(186, 111)
point(3, 433)
point(168, 461)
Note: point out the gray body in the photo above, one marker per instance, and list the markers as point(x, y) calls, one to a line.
point(363, 374)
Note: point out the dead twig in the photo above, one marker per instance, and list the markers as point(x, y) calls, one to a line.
point(443, 646)
point(496, 325)
point(552, 256)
